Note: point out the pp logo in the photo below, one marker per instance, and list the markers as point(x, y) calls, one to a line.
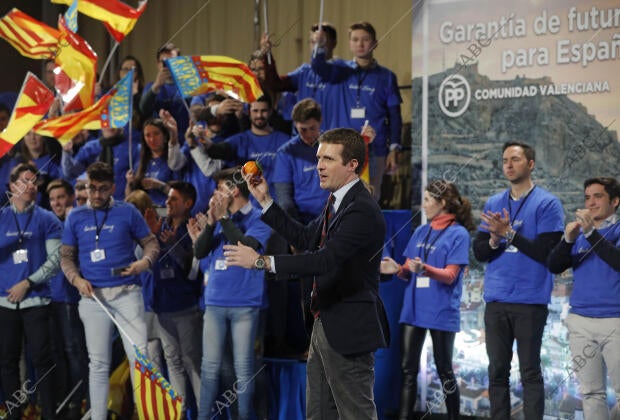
point(454, 95)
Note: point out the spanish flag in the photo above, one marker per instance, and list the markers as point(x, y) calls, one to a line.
point(196, 74)
point(32, 104)
point(154, 397)
point(118, 17)
point(33, 39)
point(78, 61)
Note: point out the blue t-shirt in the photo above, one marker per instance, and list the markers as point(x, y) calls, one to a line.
point(61, 290)
point(438, 305)
point(235, 286)
point(375, 90)
point(249, 146)
point(296, 164)
point(170, 99)
point(596, 289)
point(90, 152)
point(308, 84)
point(36, 226)
point(513, 277)
point(158, 168)
point(121, 226)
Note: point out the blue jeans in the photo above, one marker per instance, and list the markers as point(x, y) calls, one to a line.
point(243, 327)
point(128, 310)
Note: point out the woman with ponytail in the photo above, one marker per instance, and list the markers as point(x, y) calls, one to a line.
point(436, 257)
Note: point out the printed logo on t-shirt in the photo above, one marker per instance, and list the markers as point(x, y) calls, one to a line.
point(94, 228)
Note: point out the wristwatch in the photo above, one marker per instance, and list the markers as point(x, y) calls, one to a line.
point(259, 264)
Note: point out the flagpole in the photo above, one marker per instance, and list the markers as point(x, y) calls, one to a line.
point(107, 61)
point(130, 129)
point(316, 46)
point(266, 28)
point(94, 296)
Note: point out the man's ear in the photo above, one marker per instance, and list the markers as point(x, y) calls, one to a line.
point(353, 164)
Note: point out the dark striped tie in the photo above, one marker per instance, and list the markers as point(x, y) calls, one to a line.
point(329, 212)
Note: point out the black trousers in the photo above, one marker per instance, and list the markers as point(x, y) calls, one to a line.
point(412, 342)
point(505, 323)
point(33, 323)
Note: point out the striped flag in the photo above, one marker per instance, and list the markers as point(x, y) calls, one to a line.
point(33, 39)
point(196, 74)
point(65, 127)
point(154, 397)
point(78, 61)
point(118, 17)
point(33, 102)
point(114, 109)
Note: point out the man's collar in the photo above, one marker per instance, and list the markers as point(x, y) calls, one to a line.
point(110, 204)
point(611, 220)
point(25, 210)
point(341, 192)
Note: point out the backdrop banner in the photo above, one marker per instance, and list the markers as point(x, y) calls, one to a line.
point(486, 72)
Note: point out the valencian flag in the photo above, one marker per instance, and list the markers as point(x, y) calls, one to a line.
point(196, 74)
point(114, 110)
point(118, 17)
point(33, 39)
point(32, 104)
point(154, 397)
point(65, 127)
point(120, 108)
point(70, 17)
point(78, 61)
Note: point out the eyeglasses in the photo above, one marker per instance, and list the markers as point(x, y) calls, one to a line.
point(102, 189)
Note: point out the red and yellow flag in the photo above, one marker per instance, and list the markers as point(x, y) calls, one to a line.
point(155, 398)
point(65, 127)
point(118, 17)
point(196, 74)
point(32, 104)
point(78, 61)
point(27, 35)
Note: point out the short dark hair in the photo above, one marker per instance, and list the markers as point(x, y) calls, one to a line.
point(329, 30)
point(530, 153)
point(100, 172)
point(305, 110)
point(611, 185)
point(168, 48)
point(266, 99)
point(4, 108)
point(233, 178)
point(187, 190)
point(60, 183)
point(22, 167)
point(352, 142)
point(365, 26)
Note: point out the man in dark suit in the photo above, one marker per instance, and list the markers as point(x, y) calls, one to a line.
point(343, 254)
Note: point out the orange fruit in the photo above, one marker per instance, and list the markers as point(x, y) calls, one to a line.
point(253, 169)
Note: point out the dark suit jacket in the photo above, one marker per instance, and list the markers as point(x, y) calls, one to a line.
point(346, 269)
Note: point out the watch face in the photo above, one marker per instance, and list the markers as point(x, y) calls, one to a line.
point(259, 263)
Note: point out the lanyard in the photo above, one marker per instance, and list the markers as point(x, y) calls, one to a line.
point(360, 80)
point(428, 247)
point(19, 229)
point(99, 228)
point(522, 202)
